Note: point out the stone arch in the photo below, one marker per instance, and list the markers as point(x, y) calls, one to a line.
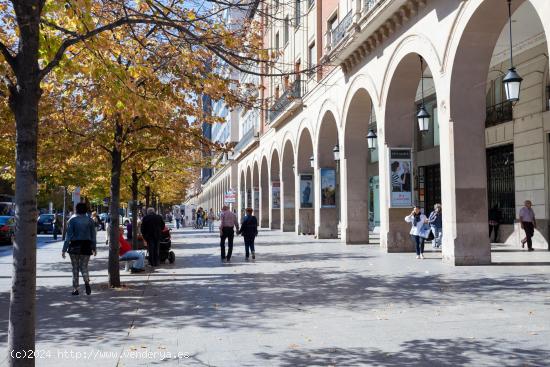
point(401, 131)
point(248, 203)
point(327, 214)
point(264, 193)
point(468, 61)
point(256, 188)
point(275, 198)
point(306, 198)
point(288, 187)
point(242, 190)
point(328, 106)
point(359, 170)
point(361, 81)
point(417, 44)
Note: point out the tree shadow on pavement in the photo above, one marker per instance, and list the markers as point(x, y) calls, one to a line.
point(426, 352)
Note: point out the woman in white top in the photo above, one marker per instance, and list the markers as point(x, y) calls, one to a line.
point(418, 230)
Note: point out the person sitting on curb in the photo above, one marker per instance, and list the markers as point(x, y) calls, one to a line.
point(127, 254)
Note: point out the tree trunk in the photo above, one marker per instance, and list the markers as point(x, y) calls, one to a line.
point(116, 169)
point(135, 193)
point(147, 198)
point(24, 99)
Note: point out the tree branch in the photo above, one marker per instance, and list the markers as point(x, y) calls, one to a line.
point(10, 59)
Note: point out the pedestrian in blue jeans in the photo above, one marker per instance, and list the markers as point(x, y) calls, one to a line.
point(436, 224)
point(249, 230)
point(419, 230)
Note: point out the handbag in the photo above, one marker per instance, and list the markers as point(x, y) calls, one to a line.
point(425, 231)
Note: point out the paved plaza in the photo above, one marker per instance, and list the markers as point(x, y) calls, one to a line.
point(303, 302)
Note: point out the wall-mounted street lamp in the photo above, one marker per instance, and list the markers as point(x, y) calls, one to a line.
point(512, 80)
point(423, 116)
point(312, 162)
point(336, 153)
point(372, 140)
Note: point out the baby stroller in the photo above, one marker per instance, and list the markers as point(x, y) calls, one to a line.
point(165, 252)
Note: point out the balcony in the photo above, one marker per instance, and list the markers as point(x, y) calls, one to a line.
point(365, 28)
point(369, 5)
point(499, 113)
point(337, 34)
point(249, 137)
point(289, 101)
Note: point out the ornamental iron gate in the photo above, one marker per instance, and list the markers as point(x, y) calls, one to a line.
point(500, 181)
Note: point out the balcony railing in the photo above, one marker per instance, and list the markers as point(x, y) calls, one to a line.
point(368, 5)
point(499, 113)
point(291, 94)
point(246, 139)
point(338, 33)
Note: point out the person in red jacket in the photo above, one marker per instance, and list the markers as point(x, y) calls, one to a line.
point(127, 254)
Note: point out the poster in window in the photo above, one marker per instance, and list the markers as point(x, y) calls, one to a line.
point(276, 195)
point(401, 177)
point(306, 191)
point(328, 188)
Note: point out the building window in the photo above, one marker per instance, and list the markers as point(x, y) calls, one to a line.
point(277, 41)
point(286, 31)
point(311, 57)
point(501, 191)
point(331, 24)
point(297, 13)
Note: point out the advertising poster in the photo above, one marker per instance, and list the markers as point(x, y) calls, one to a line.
point(276, 195)
point(328, 188)
point(230, 197)
point(306, 191)
point(401, 177)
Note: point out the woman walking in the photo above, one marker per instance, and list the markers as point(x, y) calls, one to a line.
point(436, 223)
point(80, 242)
point(419, 230)
point(249, 230)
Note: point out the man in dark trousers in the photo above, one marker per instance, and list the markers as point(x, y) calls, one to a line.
point(249, 230)
point(228, 220)
point(151, 229)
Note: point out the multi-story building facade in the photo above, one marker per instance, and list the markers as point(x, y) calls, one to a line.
point(351, 66)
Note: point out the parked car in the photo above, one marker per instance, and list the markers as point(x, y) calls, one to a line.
point(7, 229)
point(45, 222)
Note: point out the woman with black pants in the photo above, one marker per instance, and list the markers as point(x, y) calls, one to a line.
point(249, 230)
point(80, 242)
point(419, 230)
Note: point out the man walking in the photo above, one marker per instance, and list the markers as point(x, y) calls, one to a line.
point(179, 217)
point(151, 229)
point(228, 220)
point(528, 224)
